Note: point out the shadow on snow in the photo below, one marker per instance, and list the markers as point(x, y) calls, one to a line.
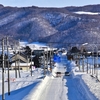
point(76, 91)
point(19, 94)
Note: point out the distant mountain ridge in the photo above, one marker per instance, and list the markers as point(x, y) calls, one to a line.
point(58, 25)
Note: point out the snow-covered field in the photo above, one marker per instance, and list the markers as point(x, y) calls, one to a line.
point(77, 86)
point(21, 87)
point(83, 12)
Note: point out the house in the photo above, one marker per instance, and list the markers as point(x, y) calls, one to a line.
point(21, 66)
point(20, 61)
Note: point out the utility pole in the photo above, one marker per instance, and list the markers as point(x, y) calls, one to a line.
point(87, 62)
point(97, 66)
point(19, 60)
point(27, 62)
point(50, 58)
point(3, 96)
point(8, 66)
point(44, 61)
point(83, 63)
point(79, 61)
point(92, 62)
point(47, 60)
point(31, 62)
point(15, 62)
point(50, 61)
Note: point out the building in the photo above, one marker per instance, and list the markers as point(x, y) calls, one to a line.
point(20, 61)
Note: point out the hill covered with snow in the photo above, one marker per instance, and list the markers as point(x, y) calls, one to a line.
point(65, 25)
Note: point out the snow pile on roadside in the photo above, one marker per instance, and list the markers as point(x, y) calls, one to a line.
point(40, 88)
point(89, 84)
point(64, 90)
point(93, 85)
point(20, 88)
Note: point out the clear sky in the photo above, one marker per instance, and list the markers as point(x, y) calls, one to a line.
point(48, 3)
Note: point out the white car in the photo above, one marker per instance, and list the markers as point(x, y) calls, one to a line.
point(59, 70)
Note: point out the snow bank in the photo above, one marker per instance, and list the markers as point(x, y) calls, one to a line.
point(39, 89)
point(84, 83)
point(64, 90)
point(93, 85)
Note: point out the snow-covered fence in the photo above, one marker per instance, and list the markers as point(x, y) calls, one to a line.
point(91, 66)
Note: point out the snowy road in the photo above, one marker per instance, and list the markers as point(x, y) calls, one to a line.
point(75, 89)
point(53, 90)
point(64, 88)
point(67, 89)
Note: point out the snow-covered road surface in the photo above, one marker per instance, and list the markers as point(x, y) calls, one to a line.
point(67, 88)
point(53, 90)
point(75, 89)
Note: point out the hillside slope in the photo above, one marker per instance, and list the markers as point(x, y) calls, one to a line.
point(51, 24)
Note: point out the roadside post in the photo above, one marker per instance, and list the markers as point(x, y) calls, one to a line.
point(3, 95)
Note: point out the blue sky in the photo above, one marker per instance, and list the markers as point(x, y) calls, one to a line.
point(48, 3)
